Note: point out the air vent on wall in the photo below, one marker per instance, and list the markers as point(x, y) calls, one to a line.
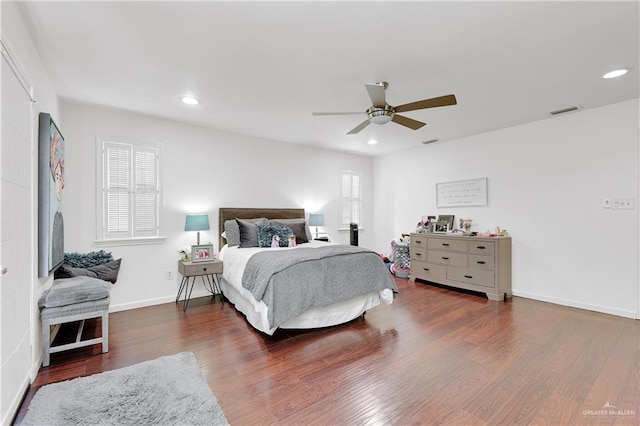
point(562, 111)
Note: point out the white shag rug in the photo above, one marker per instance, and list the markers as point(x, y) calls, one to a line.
point(166, 391)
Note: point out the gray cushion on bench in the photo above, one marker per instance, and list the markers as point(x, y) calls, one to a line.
point(69, 291)
point(59, 313)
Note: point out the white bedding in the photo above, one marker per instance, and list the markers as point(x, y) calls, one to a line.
point(235, 260)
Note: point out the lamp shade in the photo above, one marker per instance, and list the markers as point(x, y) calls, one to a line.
point(316, 219)
point(196, 222)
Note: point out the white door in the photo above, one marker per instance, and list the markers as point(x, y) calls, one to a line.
point(16, 237)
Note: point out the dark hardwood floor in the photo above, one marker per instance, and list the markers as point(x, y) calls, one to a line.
point(436, 356)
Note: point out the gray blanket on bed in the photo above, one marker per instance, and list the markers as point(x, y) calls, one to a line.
point(292, 281)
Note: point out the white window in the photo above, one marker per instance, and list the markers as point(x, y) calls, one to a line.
point(129, 180)
point(350, 208)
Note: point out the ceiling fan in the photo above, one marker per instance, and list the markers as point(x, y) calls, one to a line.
point(380, 112)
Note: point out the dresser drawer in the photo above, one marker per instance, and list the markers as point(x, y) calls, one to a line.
point(418, 242)
point(472, 276)
point(427, 271)
point(478, 261)
point(418, 253)
point(447, 244)
point(200, 268)
point(482, 247)
point(447, 258)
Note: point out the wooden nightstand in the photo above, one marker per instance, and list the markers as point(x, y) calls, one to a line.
point(209, 271)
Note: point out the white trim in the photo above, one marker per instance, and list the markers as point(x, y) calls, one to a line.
point(158, 300)
point(130, 242)
point(349, 229)
point(573, 304)
point(141, 238)
point(7, 54)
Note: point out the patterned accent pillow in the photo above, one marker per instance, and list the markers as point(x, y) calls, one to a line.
point(266, 233)
point(298, 229)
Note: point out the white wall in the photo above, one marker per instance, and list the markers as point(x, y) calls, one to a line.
point(202, 170)
point(20, 337)
point(546, 182)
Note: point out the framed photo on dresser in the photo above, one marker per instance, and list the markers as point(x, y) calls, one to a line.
point(441, 228)
point(446, 218)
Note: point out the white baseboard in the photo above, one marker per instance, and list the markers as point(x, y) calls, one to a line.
point(13, 408)
point(574, 304)
point(153, 302)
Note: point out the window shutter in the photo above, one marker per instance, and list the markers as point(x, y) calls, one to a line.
point(146, 192)
point(350, 204)
point(116, 190)
point(131, 193)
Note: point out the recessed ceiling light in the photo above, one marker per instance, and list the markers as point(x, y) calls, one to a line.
point(372, 142)
point(616, 73)
point(189, 100)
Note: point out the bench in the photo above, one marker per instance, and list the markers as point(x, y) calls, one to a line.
point(71, 300)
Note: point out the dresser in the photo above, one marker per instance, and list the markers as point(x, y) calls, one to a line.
point(480, 264)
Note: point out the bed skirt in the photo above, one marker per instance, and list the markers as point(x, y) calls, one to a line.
point(338, 313)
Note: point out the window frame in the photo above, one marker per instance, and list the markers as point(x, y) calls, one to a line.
point(350, 200)
point(130, 236)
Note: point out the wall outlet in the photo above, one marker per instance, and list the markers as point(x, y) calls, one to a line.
point(606, 203)
point(168, 274)
point(622, 204)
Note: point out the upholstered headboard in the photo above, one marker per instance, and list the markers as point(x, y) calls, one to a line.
point(230, 213)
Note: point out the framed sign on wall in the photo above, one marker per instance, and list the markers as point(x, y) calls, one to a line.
point(461, 193)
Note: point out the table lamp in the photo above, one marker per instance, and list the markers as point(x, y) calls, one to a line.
point(316, 219)
point(197, 222)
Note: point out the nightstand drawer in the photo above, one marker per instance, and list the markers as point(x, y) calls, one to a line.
point(192, 269)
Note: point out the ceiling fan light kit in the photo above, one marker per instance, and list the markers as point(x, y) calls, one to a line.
point(380, 115)
point(380, 112)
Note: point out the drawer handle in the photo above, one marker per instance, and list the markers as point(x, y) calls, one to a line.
point(445, 258)
point(418, 241)
point(204, 269)
point(481, 247)
point(468, 276)
point(481, 262)
point(426, 269)
point(445, 244)
point(418, 254)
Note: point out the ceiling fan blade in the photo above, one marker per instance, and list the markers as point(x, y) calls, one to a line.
point(359, 127)
point(427, 103)
point(337, 113)
point(376, 93)
point(407, 122)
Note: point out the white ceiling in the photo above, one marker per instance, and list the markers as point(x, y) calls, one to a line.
point(262, 68)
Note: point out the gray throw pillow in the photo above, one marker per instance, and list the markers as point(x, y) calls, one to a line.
point(107, 271)
point(248, 232)
point(232, 229)
point(300, 220)
point(69, 291)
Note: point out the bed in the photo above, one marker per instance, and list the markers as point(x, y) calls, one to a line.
point(316, 284)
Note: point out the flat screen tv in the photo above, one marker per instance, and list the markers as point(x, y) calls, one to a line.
point(51, 148)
